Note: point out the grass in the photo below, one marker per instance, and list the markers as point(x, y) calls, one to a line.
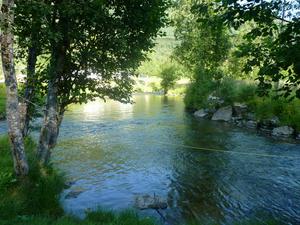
point(93, 218)
point(36, 195)
point(2, 101)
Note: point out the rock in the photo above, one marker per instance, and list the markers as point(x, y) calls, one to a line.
point(270, 123)
point(251, 124)
point(283, 131)
point(68, 184)
point(265, 130)
point(73, 194)
point(250, 116)
point(239, 109)
point(298, 136)
point(150, 202)
point(223, 114)
point(201, 113)
point(236, 119)
point(2, 116)
point(214, 100)
point(274, 121)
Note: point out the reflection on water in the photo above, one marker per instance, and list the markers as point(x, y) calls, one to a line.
point(114, 151)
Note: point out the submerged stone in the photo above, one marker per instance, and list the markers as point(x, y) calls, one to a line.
point(150, 202)
point(201, 113)
point(73, 194)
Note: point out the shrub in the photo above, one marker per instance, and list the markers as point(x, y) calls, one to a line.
point(168, 76)
point(197, 93)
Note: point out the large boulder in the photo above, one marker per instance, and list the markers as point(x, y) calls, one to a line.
point(201, 113)
point(223, 114)
point(284, 131)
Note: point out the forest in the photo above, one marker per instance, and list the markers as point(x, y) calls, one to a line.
point(150, 112)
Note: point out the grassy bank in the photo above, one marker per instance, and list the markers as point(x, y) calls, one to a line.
point(152, 84)
point(35, 200)
point(2, 101)
point(231, 91)
point(36, 195)
point(95, 218)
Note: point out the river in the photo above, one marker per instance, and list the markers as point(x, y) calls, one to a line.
point(113, 152)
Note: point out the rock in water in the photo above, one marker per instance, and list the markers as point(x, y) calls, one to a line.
point(223, 114)
point(150, 202)
point(200, 113)
point(251, 124)
point(73, 194)
point(284, 131)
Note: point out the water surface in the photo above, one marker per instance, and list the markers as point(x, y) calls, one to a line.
point(113, 152)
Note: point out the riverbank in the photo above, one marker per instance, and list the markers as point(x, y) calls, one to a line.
point(35, 200)
point(152, 84)
point(237, 102)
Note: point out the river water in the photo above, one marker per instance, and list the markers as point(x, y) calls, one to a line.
point(113, 152)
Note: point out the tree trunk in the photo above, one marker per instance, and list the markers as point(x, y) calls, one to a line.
point(53, 114)
point(12, 105)
point(29, 90)
point(49, 131)
point(54, 111)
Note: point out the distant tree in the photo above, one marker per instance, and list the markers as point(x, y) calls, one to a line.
point(12, 104)
point(168, 76)
point(93, 48)
point(204, 46)
point(204, 41)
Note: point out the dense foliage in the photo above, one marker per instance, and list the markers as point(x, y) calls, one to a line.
point(241, 52)
point(101, 42)
point(204, 47)
point(272, 45)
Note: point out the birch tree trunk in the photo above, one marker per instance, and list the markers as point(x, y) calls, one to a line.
point(52, 114)
point(49, 131)
point(29, 90)
point(12, 105)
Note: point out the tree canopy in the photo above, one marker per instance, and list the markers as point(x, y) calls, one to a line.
point(273, 43)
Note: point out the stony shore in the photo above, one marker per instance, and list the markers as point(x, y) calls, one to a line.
point(240, 115)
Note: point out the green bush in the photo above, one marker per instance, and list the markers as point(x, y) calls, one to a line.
point(197, 93)
point(287, 111)
point(232, 90)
